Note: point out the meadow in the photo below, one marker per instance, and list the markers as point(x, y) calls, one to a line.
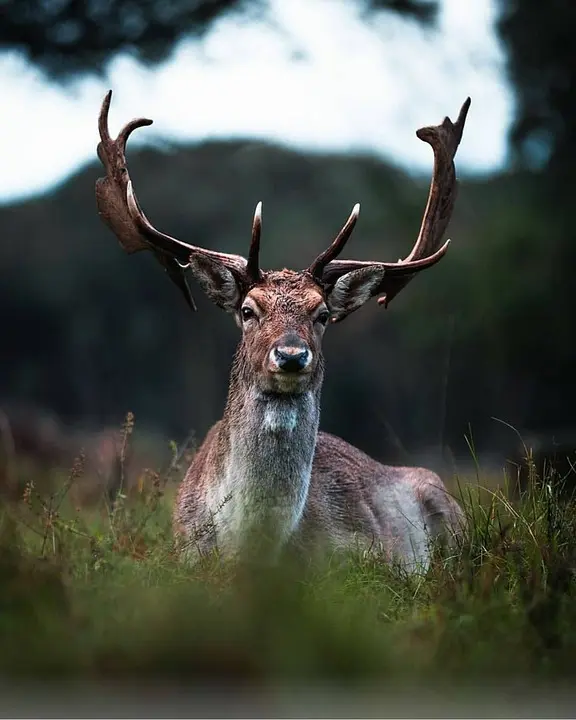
point(96, 593)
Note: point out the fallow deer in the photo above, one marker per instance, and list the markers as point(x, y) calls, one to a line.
point(265, 477)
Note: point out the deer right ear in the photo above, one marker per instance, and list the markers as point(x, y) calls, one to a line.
point(217, 281)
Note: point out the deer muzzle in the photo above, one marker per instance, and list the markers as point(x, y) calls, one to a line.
point(290, 355)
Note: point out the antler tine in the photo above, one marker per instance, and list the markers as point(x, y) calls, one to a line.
point(317, 267)
point(124, 133)
point(103, 119)
point(427, 251)
point(253, 265)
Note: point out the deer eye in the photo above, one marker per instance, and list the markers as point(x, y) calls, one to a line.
point(323, 317)
point(247, 313)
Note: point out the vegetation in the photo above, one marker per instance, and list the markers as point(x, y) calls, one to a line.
point(96, 592)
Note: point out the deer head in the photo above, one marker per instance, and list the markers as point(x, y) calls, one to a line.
point(282, 314)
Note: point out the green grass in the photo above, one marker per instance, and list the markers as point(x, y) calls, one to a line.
point(98, 594)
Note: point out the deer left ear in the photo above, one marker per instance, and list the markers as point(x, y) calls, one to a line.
point(353, 290)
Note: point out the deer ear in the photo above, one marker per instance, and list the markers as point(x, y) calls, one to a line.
point(217, 281)
point(353, 290)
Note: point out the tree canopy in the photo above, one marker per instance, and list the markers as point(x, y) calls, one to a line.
point(66, 37)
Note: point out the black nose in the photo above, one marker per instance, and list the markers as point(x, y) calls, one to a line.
point(291, 359)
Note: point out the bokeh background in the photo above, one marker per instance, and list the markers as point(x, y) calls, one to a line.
point(309, 106)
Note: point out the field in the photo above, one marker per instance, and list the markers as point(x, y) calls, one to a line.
point(96, 594)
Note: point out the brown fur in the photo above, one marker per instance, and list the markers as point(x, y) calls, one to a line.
point(345, 501)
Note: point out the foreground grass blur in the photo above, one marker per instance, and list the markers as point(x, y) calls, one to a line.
point(97, 593)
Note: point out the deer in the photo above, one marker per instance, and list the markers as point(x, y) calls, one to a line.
point(265, 478)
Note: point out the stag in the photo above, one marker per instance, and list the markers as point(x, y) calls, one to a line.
point(266, 478)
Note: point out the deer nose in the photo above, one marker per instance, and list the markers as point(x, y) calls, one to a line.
point(291, 359)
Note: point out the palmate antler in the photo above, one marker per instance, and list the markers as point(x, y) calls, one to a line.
point(119, 209)
point(427, 251)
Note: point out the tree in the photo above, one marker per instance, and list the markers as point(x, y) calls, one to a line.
point(539, 38)
point(66, 37)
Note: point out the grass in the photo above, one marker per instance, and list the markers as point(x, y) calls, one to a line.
point(96, 593)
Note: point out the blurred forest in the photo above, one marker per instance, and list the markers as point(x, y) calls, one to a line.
point(91, 333)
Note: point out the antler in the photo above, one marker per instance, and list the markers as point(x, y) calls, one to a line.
point(444, 139)
point(317, 267)
point(119, 209)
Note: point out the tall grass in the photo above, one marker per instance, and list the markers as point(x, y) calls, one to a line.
point(98, 593)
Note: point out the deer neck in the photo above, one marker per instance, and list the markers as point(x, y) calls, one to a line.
point(266, 447)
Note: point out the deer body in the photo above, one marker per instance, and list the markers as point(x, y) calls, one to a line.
point(265, 477)
point(355, 503)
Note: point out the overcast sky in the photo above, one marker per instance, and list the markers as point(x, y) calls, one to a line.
point(322, 80)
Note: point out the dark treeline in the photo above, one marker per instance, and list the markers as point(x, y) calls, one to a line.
point(92, 333)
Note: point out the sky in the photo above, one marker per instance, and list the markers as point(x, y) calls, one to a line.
point(318, 79)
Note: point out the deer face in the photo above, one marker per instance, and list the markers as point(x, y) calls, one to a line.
point(282, 321)
point(282, 318)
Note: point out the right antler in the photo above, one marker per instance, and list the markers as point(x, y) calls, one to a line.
point(119, 209)
point(427, 251)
